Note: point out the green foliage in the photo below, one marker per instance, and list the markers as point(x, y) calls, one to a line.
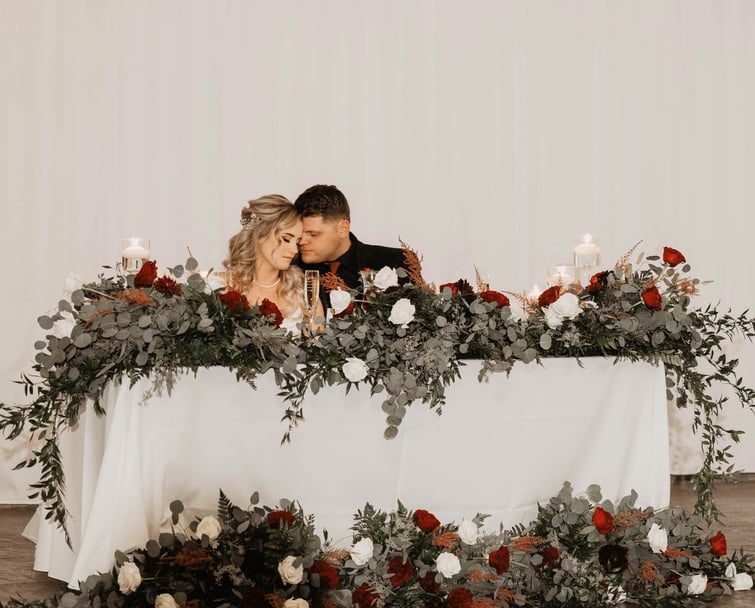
point(112, 331)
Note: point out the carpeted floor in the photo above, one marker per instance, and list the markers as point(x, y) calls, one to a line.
point(18, 579)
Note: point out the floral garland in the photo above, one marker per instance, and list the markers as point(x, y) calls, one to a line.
point(403, 338)
point(581, 551)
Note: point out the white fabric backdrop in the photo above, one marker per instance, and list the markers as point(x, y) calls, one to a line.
point(489, 133)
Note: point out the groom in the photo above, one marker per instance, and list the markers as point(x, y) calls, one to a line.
point(327, 243)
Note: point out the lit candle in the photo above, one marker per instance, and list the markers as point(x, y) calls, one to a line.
point(587, 246)
point(534, 294)
point(135, 250)
point(561, 275)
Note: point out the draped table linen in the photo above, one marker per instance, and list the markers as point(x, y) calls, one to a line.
point(499, 447)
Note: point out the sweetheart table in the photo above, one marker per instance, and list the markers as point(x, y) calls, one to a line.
point(499, 447)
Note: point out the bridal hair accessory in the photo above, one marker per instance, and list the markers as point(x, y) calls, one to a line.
point(249, 220)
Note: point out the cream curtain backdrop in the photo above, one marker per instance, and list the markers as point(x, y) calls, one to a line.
point(488, 133)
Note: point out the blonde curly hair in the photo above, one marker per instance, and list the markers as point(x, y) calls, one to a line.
point(262, 216)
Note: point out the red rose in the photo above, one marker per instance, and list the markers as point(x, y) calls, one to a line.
point(494, 296)
point(364, 596)
point(550, 556)
point(459, 598)
point(401, 572)
point(345, 312)
point(235, 301)
point(718, 544)
point(598, 282)
point(652, 298)
point(500, 559)
point(549, 296)
point(270, 309)
point(672, 257)
point(426, 521)
point(146, 275)
point(327, 573)
point(603, 520)
point(276, 518)
point(428, 583)
point(167, 286)
point(451, 286)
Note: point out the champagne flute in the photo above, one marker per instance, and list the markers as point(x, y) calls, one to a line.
point(311, 295)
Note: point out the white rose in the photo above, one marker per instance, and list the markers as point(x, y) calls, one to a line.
point(385, 278)
point(213, 281)
point(518, 313)
point(402, 312)
point(658, 539)
point(209, 526)
point(354, 369)
point(468, 532)
point(63, 327)
point(742, 582)
point(339, 300)
point(291, 574)
point(295, 603)
point(552, 318)
point(165, 600)
point(361, 552)
point(697, 584)
point(72, 283)
point(448, 564)
point(129, 578)
point(567, 306)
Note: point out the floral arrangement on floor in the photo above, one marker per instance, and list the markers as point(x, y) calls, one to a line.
point(581, 551)
point(404, 339)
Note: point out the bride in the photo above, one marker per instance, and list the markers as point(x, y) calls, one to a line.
point(260, 256)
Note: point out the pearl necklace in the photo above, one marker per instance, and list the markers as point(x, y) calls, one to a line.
point(262, 286)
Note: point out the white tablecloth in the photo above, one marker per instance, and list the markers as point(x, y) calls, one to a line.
point(498, 448)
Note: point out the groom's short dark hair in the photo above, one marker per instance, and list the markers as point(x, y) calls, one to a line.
point(327, 201)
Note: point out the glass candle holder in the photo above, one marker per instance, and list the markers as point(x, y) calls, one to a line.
point(563, 275)
point(134, 252)
point(587, 251)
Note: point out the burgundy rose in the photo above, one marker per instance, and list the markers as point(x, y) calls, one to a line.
point(550, 556)
point(718, 545)
point(549, 296)
point(426, 521)
point(428, 583)
point(327, 573)
point(270, 309)
point(146, 275)
point(598, 282)
point(364, 596)
point(461, 286)
point(459, 598)
point(672, 257)
point(652, 298)
point(613, 558)
point(276, 518)
point(401, 572)
point(167, 286)
point(235, 301)
point(603, 520)
point(494, 296)
point(500, 559)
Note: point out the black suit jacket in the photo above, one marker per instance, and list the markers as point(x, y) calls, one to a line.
point(358, 257)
